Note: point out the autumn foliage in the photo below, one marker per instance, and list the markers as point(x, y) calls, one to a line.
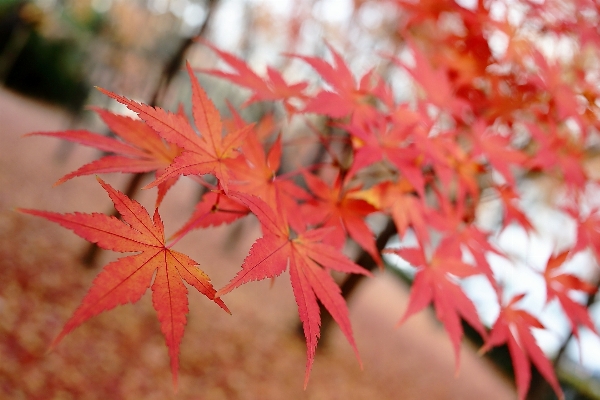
point(482, 117)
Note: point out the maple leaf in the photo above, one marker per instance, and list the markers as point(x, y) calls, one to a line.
point(558, 286)
point(588, 231)
point(256, 174)
point(347, 98)
point(436, 281)
point(210, 153)
point(306, 255)
point(213, 209)
point(140, 149)
point(497, 150)
point(421, 11)
point(560, 93)
point(562, 151)
point(127, 279)
point(335, 207)
point(380, 141)
point(457, 169)
point(271, 88)
point(406, 209)
point(513, 327)
point(257, 171)
point(265, 127)
point(455, 221)
point(507, 97)
point(512, 212)
point(438, 88)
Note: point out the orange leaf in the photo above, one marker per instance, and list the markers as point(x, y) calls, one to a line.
point(140, 149)
point(127, 279)
point(209, 153)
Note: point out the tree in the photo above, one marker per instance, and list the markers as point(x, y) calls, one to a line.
point(500, 94)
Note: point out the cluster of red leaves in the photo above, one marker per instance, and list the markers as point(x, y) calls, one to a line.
point(480, 122)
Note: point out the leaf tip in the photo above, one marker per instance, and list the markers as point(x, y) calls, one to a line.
point(402, 320)
point(30, 134)
point(306, 378)
point(175, 382)
point(152, 184)
point(55, 342)
point(60, 182)
point(24, 211)
point(221, 304)
point(483, 349)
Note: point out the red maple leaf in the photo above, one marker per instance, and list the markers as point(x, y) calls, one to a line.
point(140, 149)
point(436, 281)
point(274, 87)
point(405, 207)
point(213, 209)
point(558, 286)
point(454, 220)
point(380, 141)
point(513, 327)
point(256, 174)
point(559, 91)
point(497, 150)
point(263, 129)
point(306, 255)
point(588, 229)
point(347, 97)
point(418, 12)
point(335, 207)
point(457, 169)
point(210, 153)
point(561, 152)
point(435, 82)
point(127, 279)
point(512, 212)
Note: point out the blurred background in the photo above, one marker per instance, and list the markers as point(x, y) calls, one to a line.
point(58, 50)
point(52, 54)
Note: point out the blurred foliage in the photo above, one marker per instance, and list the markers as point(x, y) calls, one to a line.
point(49, 69)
